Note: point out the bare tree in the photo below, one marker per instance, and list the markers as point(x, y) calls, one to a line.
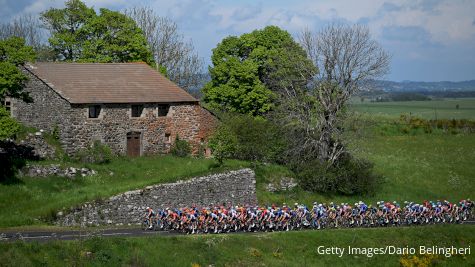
point(29, 28)
point(170, 50)
point(26, 26)
point(347, 59)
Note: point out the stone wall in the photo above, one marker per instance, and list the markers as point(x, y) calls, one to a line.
point(187, 120)
point(230, 188)
point(49, 108)
point(41, 148)
point(40, 171)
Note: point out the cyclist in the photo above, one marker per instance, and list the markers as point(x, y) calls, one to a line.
point(150, 215)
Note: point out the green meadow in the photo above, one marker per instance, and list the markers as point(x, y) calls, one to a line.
point(433, 109)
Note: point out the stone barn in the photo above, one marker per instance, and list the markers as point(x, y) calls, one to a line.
point(130, 107)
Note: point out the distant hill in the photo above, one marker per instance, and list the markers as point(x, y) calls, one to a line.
point(383, 88)
point(421, 87)
point(382, 91)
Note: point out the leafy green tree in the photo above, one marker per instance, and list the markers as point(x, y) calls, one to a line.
point(65, 27)
point(79, 34)
point(114, 37)
point(250, 70)
point(13, 53)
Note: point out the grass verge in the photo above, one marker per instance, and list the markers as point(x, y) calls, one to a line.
point(264, 249)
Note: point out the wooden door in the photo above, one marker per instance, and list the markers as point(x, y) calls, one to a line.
point(133, 144)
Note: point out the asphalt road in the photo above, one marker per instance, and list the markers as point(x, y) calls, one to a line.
point(44, 236)
point(41, 236)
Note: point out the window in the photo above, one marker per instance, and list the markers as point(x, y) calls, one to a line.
point(168, 138)
point(94, 111)
point(163, 110)
point(8, 106)
point(137, 110)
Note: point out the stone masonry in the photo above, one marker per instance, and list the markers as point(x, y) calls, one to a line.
point(189, 121)
point(230, 188)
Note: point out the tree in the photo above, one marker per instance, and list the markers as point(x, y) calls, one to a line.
point(348, 58)
point(65, 25)
point(27, 27)
point(172, 54)
point(113, 37)
point(79, 34)
point(14, 53)
point(248, 71)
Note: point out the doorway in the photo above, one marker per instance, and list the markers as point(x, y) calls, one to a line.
point(133, 144)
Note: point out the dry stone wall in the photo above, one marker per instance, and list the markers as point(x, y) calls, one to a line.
point(229, 188)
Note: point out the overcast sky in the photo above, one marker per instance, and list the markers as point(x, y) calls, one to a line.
point(429, 40)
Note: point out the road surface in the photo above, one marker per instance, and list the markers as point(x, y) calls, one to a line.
point(43, 236)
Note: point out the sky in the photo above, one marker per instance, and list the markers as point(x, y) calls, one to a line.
point(429, 40)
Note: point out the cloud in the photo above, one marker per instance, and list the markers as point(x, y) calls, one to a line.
point(247, 12)
point(429, 5)
point(426, 28)
point(390, 7)
point(406, 34)
point(9, 8)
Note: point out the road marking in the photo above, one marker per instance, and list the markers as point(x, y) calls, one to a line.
point(61, 236)
point(117, 234)
point(33, 237)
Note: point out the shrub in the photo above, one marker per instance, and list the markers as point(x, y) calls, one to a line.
point(12, 159)
point(96, 153)
point(180, 148)
point(8, 126)
point(257, 139)
point(349, 176)
point(223, 143)
point(55, 133)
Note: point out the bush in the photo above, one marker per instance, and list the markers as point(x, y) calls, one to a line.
point(223, 143)
point(96, 153)
point(8, 126)
point(181, 148)
point(257, 139)
point(13, 157)
point(349, 176)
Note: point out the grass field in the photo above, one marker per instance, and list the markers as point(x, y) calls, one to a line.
point(265, 249)
point(434, 109)
point(414, 167)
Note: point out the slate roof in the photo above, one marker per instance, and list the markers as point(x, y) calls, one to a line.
point(82, 83)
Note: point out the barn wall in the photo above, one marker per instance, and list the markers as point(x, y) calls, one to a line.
point(187, 120)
